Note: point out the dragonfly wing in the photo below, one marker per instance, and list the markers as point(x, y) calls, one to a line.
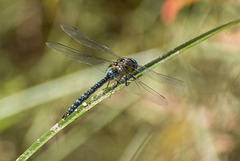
point(77, 55)
point(85, 40)
point(143, 90)
point(160, 78)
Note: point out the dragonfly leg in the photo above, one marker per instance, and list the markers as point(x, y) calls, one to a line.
point(126, 83)
point(118, 81)
point(107, 84)
point(112, 87)
point(106, 89)
point(134, 77)
point(127, 77)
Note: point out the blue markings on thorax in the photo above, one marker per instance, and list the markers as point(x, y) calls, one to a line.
point(111, 74)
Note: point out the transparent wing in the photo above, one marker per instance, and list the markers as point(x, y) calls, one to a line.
point(85, 40)
point(77, 55)
point(166, 80)
point(143, 90)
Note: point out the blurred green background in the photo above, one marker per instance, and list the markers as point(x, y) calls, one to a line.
point(38, 85)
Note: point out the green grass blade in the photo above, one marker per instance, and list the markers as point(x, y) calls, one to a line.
point(82, 109)
point(190, 44)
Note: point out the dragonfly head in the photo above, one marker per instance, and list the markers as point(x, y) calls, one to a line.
point(133, 64)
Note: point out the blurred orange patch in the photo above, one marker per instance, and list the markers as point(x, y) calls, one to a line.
point(170, 9)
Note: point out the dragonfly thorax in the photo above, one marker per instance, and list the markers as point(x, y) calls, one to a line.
point(112, 73)
point(129, 63)
point(123, 66)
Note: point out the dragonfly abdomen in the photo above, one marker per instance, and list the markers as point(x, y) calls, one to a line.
point(86, 95)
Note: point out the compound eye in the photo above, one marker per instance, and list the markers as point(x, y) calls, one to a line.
point(134, 61)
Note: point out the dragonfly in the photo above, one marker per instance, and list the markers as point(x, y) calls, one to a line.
point(120, 70)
